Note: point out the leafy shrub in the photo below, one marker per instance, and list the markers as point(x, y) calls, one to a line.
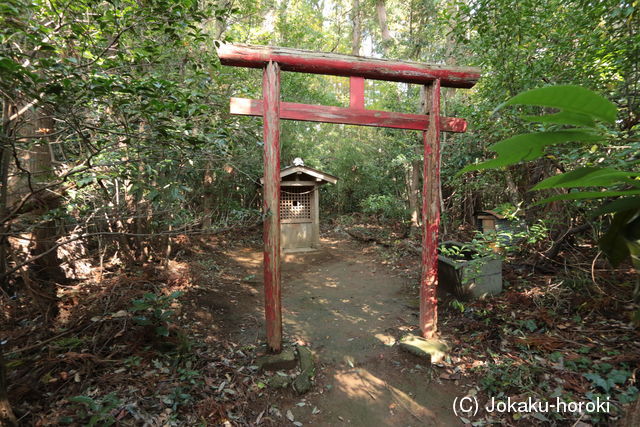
point(92, 411)
point(581, 110)
point(384, 206)
point(154, 310)
point(509, 376)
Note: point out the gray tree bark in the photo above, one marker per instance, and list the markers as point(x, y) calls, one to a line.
point(381, 12)
point(356, 32)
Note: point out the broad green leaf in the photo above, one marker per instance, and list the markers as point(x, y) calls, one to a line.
point(579, 195)
point(618, 377)
point(162, 331)
point(623, 204)
point(86, 400)
point(9, 65)
point(562, 118)
point(622, 239)
point(142, 320)
point(570, 98)
point(588, 177)
point(598, 381)
point(634, 253)
point(530, 146)
point(81, 399)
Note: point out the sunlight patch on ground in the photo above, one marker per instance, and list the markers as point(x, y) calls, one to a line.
point(331, 283)
point(250, 260)
point(177, 267)
point(358, 383)
point(361, 384)
point(385, 339)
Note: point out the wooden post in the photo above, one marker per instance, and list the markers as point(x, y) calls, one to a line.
point(356, 92)
point(271, 205)
point(430, 212)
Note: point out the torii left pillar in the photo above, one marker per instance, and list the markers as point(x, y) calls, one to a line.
point(271, 204)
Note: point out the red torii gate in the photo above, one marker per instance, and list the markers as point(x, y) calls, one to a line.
point(274, 59)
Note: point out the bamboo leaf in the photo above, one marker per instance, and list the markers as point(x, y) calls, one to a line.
point(588, 177)
point(563, 118)
point(571, 98)
point(622, 239)
point(530, 146)
point(579, 195)
point(619, 205)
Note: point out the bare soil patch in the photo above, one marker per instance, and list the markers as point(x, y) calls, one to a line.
point(350, 309)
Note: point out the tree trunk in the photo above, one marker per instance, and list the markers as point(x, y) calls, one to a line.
point(5, 161)
point(47, 268)
point(143, 209)
point(414, 190)
point(208, 195)
point(512, 188)
point(356, 32)
point(6, 414)
point(381, 12)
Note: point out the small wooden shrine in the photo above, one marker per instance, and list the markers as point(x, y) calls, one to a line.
point(299, 206)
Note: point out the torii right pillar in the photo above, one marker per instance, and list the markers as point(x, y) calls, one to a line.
point(430, 211)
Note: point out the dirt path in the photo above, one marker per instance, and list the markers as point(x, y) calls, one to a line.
point(350, 310)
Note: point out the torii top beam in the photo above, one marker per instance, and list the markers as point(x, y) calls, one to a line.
point(305, 61)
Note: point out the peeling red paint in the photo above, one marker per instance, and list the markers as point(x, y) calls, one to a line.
point(271, 205)
point(347, 65)
point(431, 216)
point(349, 116)
point(356, 92)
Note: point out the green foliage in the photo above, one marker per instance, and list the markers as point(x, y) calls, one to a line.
point(579, 105)
point(384, 206)
point(613, 382)
point(509, 375)
point(613, 378)
point(178, 397)
point(69, 343)
point(589, 177)
point(578, 101)
point(508, 211)
point(623, 238)
point(457, 305)
point(154, 310)
point(94, 411)
point(477, 248)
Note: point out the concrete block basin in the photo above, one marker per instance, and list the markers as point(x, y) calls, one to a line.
point(467, 275)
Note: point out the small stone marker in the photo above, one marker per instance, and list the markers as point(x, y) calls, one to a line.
point(282, 361)
point(431, 349)
point(287, 360)
point(303, 383)
point(278, 381)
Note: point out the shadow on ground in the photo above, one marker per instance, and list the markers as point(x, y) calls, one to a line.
point(350, 310)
